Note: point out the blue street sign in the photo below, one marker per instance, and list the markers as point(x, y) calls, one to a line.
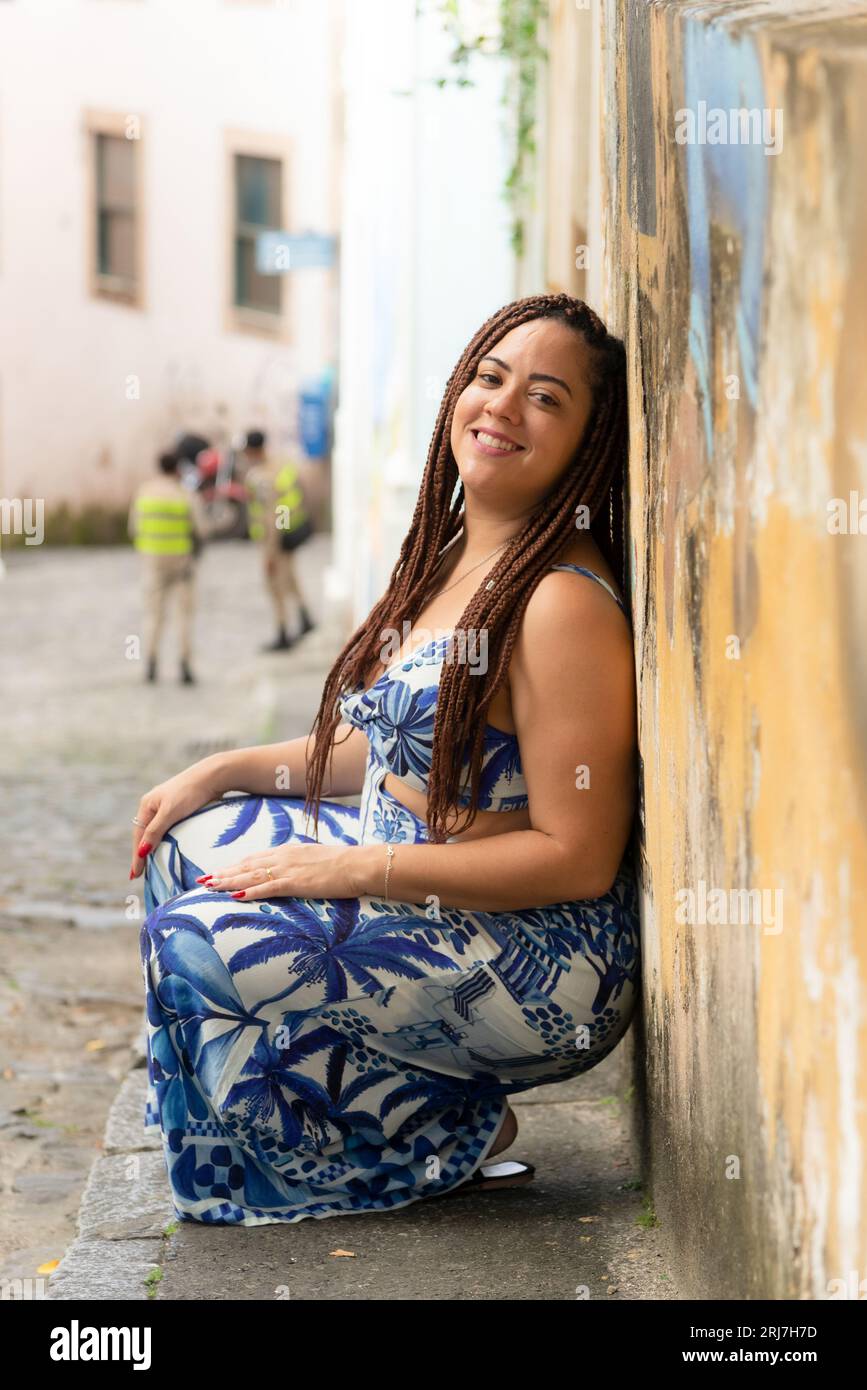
point(314, 411)
point(279, 252)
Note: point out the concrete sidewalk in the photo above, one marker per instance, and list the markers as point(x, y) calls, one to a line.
point(581, 1225)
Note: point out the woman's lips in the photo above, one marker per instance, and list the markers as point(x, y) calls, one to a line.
point(491, 450)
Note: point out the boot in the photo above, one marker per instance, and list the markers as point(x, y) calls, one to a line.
point(307, 623)
point(187, 677)
point(282, 643)
point(151, 673)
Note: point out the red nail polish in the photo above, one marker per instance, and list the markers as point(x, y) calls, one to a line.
point(131, 874)
point(143, 850)
point(239, 895)
point(206, 878)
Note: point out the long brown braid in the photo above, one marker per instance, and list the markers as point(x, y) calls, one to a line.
point(595, 477)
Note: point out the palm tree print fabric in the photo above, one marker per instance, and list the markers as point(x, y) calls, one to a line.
point(319, 1057)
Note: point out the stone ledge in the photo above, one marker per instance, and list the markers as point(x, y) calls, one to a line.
point(127, 1197)
point(124, 1210)
point(114, 1270)
point(125, 1132)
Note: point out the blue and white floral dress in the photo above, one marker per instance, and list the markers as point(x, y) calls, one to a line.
point(324, 1056)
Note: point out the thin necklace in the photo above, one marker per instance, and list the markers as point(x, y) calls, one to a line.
point(455, 583)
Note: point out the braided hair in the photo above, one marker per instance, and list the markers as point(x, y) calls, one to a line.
point(595, 477)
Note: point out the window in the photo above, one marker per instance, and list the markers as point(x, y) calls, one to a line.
point(257, 193)
point(258, 208)
point(115, 207)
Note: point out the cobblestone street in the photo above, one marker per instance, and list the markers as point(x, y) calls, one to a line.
point(83, 737)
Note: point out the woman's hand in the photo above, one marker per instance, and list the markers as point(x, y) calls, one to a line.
point(297, 871)
point(169, 802)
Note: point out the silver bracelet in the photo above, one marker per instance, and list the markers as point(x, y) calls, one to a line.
point(389, 849)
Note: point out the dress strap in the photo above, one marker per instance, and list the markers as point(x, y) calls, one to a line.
point(579, 569)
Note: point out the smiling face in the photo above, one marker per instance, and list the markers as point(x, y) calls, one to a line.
point(518, 423)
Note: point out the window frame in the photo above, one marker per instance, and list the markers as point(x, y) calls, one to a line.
point(102, 286)
point(242, 318)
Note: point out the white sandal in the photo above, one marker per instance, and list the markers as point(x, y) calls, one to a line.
point(491, 1176)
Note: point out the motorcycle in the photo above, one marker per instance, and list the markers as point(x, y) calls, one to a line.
point(217, 475)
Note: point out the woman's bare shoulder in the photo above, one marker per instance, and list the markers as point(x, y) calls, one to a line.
point(571, 620)
point(561, 595)
point(582, 550)
point(569, 624)
point(563, 605)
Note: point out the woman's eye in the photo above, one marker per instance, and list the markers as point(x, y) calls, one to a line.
point(542, 396)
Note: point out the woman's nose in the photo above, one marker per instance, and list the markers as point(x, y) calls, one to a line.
point(505, 404)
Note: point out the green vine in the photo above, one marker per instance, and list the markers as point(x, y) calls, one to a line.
point(517, 38)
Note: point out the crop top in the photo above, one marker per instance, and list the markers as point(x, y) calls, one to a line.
point(397, 716)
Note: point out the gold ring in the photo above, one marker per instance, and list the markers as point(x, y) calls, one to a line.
point(269, 871)
point(138, 822)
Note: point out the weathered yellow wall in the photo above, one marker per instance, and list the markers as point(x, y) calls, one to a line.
point(739, 280)
point(567, 181)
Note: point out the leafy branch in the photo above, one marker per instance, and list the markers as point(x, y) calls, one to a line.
point(516, 38)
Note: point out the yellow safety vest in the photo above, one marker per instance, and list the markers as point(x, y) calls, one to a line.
point(289, 495)
point(163, 526)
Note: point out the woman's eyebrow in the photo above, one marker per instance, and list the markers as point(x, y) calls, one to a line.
point(534, 376)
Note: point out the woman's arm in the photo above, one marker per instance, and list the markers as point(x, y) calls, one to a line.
point(572, 681)
point(279, 769)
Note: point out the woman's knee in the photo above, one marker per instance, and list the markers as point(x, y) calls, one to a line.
point(176, 860)
point(193, 826)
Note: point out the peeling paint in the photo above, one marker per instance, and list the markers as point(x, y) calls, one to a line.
point(726, 266)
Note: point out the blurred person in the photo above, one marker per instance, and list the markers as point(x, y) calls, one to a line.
point(167, 528)
point(280, 522)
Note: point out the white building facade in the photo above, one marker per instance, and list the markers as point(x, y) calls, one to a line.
point(143, 145)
